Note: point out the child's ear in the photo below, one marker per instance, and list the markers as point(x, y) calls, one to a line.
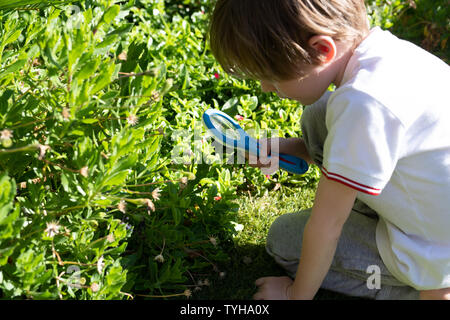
point(324, 46)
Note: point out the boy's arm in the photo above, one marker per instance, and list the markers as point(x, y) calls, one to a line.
point(331, 209)
point(295, 147)
point(332, 206)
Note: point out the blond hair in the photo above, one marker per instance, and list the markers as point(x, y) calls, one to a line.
point(268, 39)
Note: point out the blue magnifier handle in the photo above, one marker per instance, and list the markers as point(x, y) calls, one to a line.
point(292, 164)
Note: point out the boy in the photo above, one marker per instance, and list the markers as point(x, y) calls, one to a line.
point(381, 139)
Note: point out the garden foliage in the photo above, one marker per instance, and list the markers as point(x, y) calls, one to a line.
point(99, 101)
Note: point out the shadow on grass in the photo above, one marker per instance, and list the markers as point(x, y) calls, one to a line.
point(248, 263)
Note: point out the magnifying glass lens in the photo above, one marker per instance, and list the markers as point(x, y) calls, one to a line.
point(224, 126)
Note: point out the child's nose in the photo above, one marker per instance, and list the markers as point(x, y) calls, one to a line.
point(267, 87)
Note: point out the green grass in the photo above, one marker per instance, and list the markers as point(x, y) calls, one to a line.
point(248, 258)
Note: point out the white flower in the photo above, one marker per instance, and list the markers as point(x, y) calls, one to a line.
point(100, 265)
point(110, 238)
point(66, 113)
point(122, 206)
point(42, 150)
point(150, 205)
point(213, 241)
point(52, 228)
point(5, 134)
point(159, 258)
point(156, 193)
point(84, 171)
point(95, 287)
point(132, 119)
point(188, 293)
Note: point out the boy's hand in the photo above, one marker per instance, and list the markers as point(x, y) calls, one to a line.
point(273, 288)
point(292, 146)
point(267, 166)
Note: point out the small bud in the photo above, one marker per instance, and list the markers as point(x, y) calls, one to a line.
point(110, 238)
point(66, 113)
point(156, 96)
point(150, 204)
point(188, 293)
point(100, 265)
point(6, 138)
point(84, 171)
point(52, 229)
point(122, 56)
point(213, 241)
point(156, 194)
point(217, 198)
point(95, 287)
point(122, 206)
point(159, 258)
point(132, 119)
point(183, 182)
point(42, 150)
point(6, 134)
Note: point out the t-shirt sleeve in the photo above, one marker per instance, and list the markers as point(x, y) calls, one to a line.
point(363, 143)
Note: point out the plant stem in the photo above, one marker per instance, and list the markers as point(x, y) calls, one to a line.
point(31, 147)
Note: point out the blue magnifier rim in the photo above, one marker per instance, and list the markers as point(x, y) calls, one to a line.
point(220, 135)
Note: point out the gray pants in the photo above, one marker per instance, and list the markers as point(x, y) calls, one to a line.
point(356, 250)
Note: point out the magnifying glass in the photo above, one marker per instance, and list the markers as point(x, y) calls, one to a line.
point(229, 133)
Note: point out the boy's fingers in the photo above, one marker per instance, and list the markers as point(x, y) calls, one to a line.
point(260, 281)
point(258, 164)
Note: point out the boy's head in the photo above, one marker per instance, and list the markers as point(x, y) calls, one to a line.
point(271, 39)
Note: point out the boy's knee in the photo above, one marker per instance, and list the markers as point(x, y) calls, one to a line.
point(285, 235)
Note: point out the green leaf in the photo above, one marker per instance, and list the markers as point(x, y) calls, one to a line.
point(16, 66)
point(206, 181)
point(87, 70)
point(111, 13)
point(7, 194)
point(78, 46)
point(89, 121)
point(110, 95)
point(230, 104)
point(12, 37)
point(253, 103)
point(104, 78)
point(116, 178)
point(108, 41)
point(177, 215)
point(65, 182)
point(123, 29)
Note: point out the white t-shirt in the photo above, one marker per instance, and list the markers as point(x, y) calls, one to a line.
point(389, 138)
